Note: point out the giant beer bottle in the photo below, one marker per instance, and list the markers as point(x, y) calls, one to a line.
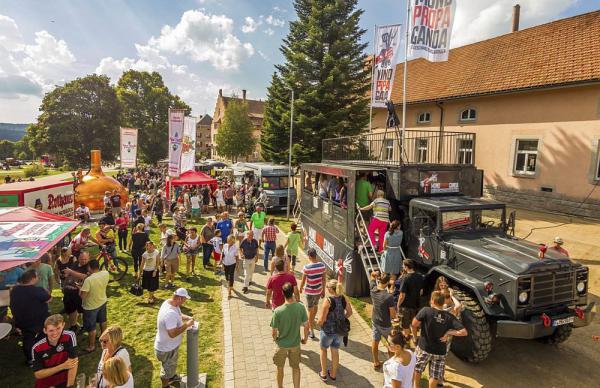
point(95, 184)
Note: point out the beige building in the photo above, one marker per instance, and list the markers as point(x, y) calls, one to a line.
point(203, 137)
point(256, 109)
point(531, 97)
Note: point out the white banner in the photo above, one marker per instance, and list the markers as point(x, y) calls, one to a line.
point(58, 199)
point(129, 147)
point(431, 28)
point(188, 146)
point(387, 41)
point(176, 118)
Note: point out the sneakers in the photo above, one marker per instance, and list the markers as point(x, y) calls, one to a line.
point(245, 290)
point(311, 334)
point(175, 380)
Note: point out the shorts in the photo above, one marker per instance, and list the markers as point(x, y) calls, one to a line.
point(91, 317)
point(168, 362)
point(257, 233)
point(379, 332)
point(172, 266)
point(437, 363)
point(116, 210)
point(332, 341)
point(72, 301)
point(217, 256)
point(229, 201)
point(312, 300)
point(407, 314)
point(195, 212)
point(281, 354)
point(192, 251)
point(220, 203)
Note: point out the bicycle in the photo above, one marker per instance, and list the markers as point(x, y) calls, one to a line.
point(115, 266)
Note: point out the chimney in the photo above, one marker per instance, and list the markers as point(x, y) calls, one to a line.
point(220, 92)
point(244, 94)
point(515, 19)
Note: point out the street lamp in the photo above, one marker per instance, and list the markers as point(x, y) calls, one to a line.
point(290, 158)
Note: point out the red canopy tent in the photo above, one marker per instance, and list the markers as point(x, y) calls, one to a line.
point(26, 234)
point(192, 178)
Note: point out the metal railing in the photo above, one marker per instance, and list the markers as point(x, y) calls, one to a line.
point(420, 147)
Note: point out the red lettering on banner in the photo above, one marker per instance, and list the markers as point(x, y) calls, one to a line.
point(417, 14)
point(59, 201)
point(425, 17)
point(447, 16)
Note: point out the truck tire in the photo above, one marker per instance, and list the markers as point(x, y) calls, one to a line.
point(561, 334)
point(477, 345)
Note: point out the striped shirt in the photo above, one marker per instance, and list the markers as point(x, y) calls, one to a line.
point(381, 208)
point(314, 278)
point(269, 233)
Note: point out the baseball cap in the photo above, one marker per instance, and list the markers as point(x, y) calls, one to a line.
point(558, 240)
point(311, 252)
point(183, 293)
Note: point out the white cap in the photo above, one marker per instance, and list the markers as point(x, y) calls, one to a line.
point(558, 240)
point(182, 292)
point(169, 232)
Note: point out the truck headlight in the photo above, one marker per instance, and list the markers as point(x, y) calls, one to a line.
point(580, 287)
point(523, 296)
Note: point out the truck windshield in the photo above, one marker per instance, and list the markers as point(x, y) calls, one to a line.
point(463, 219)
point(274, 182)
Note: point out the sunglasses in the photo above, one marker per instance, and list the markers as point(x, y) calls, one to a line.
point(104, 341)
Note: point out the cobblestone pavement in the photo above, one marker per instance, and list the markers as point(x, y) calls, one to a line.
point(252, 346)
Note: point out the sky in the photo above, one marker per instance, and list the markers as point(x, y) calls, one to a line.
point(198, 46)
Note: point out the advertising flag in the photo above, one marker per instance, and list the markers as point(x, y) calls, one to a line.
point(188, 145)
point(387, 41)
point(128, 147)
point(431, 28)
point(176, 118)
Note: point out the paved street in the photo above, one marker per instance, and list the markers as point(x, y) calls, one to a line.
point(252, 346)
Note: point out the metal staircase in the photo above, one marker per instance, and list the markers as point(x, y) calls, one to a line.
point(296, 213)
point(366, 250)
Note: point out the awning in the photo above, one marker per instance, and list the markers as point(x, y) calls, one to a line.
point(26, 234)
point(194, 178)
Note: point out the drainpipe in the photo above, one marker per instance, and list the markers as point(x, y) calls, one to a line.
point(441, 129)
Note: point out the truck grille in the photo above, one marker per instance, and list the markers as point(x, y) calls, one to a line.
point(550, 288)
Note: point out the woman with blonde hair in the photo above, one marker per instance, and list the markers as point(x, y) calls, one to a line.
point(111, 342)
point(279, 255)
point(380, 220)
point(230, 258)
point(116, 374)
point(335, 309)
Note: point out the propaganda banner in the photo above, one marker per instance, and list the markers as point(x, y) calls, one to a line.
point(129, 147)
point(176, 119)
point(431, 28)
point(387, 41)
point(188, 145)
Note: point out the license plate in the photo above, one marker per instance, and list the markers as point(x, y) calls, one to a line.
point(563, 321)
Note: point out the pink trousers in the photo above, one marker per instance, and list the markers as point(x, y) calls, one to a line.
point(381, 227)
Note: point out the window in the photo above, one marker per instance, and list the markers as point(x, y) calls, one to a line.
point(468, 115)
point(465, 151)
point(526, 157)
point(597, 172)
point(389, 149)
point(421, 150)
point(424, 117)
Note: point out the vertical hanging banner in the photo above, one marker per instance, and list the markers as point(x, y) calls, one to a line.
point(387, 41)
point(176, 119)
point(129, 147)
point(188, 145)
point(431, 28)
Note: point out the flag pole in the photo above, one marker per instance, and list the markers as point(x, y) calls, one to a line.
point(372, 75)
point(406, 27)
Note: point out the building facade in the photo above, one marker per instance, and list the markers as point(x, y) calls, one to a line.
point(203, 137)
point(532, 98)
point(256, 109)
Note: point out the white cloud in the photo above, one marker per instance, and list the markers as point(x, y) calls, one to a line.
point(263, 56)
point(276, 22)
point(250, 25)
point(269, 31)
point(477, 20)
point(279, 9)
point(204, 38)
point(10, 37)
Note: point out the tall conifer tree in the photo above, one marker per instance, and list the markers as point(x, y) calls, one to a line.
point(326, 64)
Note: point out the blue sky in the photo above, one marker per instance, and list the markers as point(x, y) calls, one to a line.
point(199, 46)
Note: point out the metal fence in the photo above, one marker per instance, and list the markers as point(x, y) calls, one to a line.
point(420, 147)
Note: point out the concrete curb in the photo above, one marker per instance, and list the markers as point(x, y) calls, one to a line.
point(228, 377)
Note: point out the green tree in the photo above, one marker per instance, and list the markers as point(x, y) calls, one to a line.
point(235, 137)
point(80, 116)
point(145, 101)
point(325, 63)
point(7, 149)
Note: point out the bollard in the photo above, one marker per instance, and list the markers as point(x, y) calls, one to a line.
point(192, 357)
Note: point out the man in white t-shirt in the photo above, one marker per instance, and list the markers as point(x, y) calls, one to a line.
point(82, 213)
point(195, 200)
point(171, 324)
point(220, 199)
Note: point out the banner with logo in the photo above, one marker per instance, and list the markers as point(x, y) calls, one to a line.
point(129, 147)
point(387, 41)
point(176, 118)
point(431, 28)
point(55, 199)
point(188, 146)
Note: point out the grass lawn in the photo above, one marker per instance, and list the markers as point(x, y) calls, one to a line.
point(18, 173)
point(138, 321)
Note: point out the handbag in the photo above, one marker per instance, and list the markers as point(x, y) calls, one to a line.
point(136, 289)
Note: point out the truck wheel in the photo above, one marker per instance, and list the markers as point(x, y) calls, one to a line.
point(561, 334)
point(477, 345)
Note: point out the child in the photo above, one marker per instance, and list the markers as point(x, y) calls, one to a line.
point(191, 247)
point(147, 221)
point(294, 240)
point(150, 270)
point(217, 244)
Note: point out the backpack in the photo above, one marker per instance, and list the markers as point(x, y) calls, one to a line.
point(341, 324)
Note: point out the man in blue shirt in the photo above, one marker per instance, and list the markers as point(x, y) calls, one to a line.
point(10, 277)
point(225, 226)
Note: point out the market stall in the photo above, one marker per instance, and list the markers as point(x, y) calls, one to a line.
point(192, 178)
point(53, 195)
point(26, 234)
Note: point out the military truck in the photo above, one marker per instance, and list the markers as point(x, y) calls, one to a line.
point(435, 190)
